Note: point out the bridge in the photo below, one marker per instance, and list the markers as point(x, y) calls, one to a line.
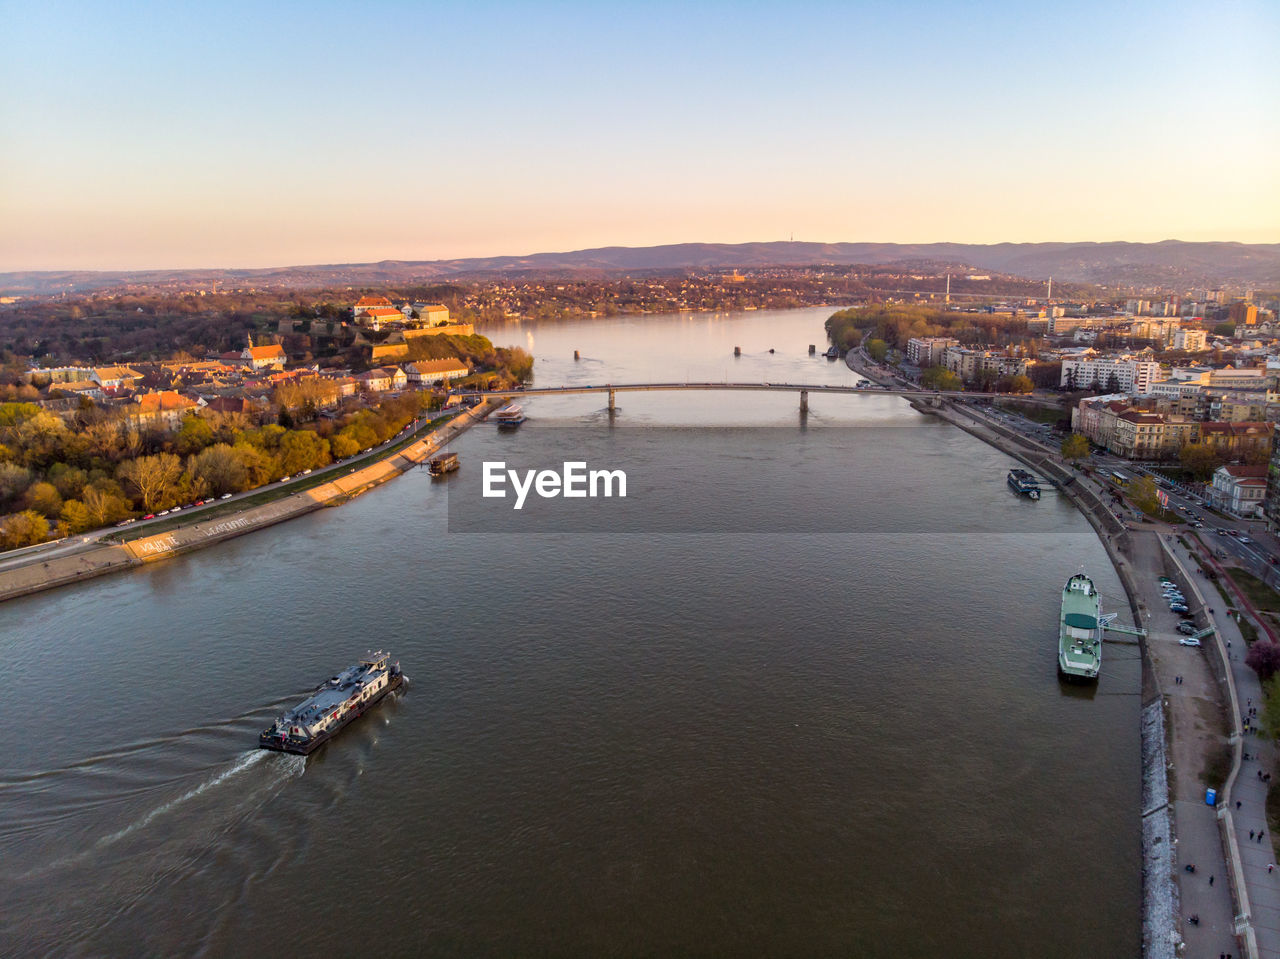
point(934, 397)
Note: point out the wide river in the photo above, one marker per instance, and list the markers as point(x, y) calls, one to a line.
point(794, 696)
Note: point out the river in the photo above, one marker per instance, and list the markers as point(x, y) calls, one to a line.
point(794, 695)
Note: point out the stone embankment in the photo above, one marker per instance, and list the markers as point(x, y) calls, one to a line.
point(105, 558)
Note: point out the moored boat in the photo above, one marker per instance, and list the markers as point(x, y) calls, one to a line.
point(442, 464)
point(1020, 481)
point(509, 416)
point(1080, 631)
point(335, 703)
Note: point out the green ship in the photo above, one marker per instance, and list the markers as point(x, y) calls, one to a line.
point(1080, 631)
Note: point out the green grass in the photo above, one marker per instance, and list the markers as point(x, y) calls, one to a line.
point(1217, 766)
point(1273, 807)
point(1260, 594)
point(1035, 413)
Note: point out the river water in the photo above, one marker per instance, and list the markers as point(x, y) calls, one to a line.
point(795, 695)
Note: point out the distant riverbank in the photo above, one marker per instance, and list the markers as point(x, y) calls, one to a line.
point(40, 574)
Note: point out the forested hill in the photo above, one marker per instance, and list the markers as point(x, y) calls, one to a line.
point(1171, 265)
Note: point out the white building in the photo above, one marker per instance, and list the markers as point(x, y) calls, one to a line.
point(425, 372)
point(1131, 376)
point(927, 350)
point(1239, 489)
point(1191, 340)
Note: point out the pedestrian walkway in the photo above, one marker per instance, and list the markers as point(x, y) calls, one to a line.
point(1248, 798)
point(1250, 791)
point(1199, 835)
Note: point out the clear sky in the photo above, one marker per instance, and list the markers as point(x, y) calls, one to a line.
point(257, 134)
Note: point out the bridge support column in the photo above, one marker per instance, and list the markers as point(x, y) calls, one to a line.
point(804, 401)
point(613, 406)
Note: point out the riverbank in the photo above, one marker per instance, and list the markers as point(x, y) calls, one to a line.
point(1181, 684)
point(38, 575)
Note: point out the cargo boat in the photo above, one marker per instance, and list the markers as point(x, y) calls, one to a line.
point(1080, 631)
point(509, 416)
point(1020, 481)
point(442, 464)
point(336, 702)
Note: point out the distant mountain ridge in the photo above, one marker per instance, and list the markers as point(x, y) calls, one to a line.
point(1171, 263)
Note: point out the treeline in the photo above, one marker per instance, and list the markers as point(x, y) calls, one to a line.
point(58, 478)
point(896, 324)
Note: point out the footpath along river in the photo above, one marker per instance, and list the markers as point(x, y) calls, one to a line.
point(794, 696)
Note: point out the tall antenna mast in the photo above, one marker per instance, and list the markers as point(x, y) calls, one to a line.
point(948, 288)
point(1050, 296)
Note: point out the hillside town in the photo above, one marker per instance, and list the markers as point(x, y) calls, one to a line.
point(89, 445)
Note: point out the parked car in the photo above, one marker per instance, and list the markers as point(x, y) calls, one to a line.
point(1189, 641)
point(150, 516)
point(1178, 608)
point(1186, 627)
point(225, 496)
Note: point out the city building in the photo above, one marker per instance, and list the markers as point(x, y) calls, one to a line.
point(113, 378)
point(367, 303)
point(264, 357)
point(1237, 441)
point(969, 364)
point(1240, 489)
point(1193, 341)
point(1118, 374)
point(425, 372)
point(927, 350)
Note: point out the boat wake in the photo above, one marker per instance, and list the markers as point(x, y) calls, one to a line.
point(283, 768)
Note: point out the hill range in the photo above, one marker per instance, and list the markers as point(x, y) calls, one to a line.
point(1171, 265)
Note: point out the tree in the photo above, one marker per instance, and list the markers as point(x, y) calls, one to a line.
point(939, 378)
point(1113, 383)
point(155, 478)
point(221, 468)
point(23, 529)
point(193, 436)
point(105, 503)
point(877, 349)
point(1199, 460)
point(1074, 447)
point(75, 518)
point(303, 450)
point(1021, 384)
point(1143, 493)
point(44, 499)
point(343, 445)
point(1264, 659)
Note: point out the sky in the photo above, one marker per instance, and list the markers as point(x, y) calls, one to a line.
point(174, 135)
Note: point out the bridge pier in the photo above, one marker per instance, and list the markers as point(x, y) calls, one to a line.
point(613, 406)
point(804, 402)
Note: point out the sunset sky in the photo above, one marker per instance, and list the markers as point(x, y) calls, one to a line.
point(245, 134)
